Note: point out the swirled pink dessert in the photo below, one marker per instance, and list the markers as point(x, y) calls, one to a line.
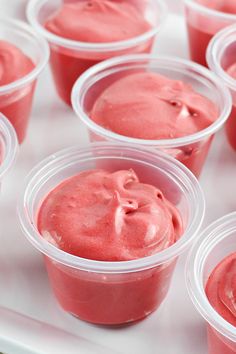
point(14, 64)
point(150, 106)
point(94, 21)
point(98, 21)
point(16, 104)
point(221, 289)
point(109, 216)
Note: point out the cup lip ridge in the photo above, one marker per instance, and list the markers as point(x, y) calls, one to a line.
point(166, 62)
point(201, 8)
point(182, 174)
point(215, 50)
point(89, 46)
point(206, 241)
point(23, 27)
point(11, 145)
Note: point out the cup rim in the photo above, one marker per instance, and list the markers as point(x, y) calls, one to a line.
point(216, 49)
point(22, 27)
point(165, 62)
point(201, 8)
point(10, 145)
point(89, 46)
point(183, 175)
point(208, 238)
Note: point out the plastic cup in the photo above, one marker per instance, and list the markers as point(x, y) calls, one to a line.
point(8, 146)
point(221, 54)
point(191, 150)
point(69, 58)
point(213, 245)
point(112, 293)
point(202, 24)
point(16, 97)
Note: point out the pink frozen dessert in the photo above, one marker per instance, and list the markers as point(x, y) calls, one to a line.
point(221, 293)
point(92, 21)
point(150, 106)
point(109, 216)
point(98, 21)
point(203, 26)
point(16, 106)
point(113, 217)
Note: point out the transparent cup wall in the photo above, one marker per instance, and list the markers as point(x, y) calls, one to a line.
point(8, 146)
point(202, 25)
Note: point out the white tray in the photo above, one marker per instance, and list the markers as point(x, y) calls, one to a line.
point(176, 328)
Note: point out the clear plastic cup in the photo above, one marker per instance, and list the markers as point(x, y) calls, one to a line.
point(191, 150)
point(112, 293)
point(8, 146)
point(202, 24)
point(16, 97)
point(69, 58)
point(214, 244)
point(221, 54)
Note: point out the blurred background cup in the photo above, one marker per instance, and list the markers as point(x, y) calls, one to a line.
point(70, 58)
point(221, 55)
point(191, 150)
point(8, 146)
point(16, 97)
point(103, 292)
point(202, 24)
point(214, 244)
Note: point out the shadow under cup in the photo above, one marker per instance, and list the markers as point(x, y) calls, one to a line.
point(70, 58)
point(216, 243)
point(112, 293)
point(191, 150)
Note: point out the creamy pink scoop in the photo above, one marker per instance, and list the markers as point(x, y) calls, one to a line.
point(221, 289)
point(98, 21)
point(14, 64)
point(147, 105)
point(109, 216)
